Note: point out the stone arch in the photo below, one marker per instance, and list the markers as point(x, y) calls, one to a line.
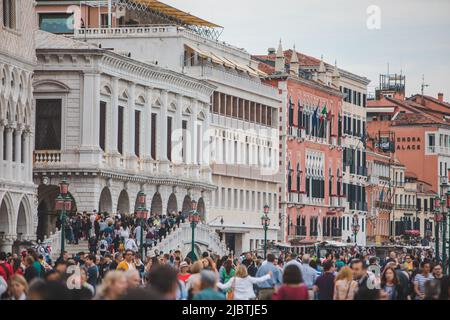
point(172, 107)
point(186, 204)
point(124, 95)
point(105, 201)
point(22, 222)
point(140, 100)
point(25, 221)
point(6, 214)
point(123, 203)
point(47, 215)
point(156, 208)
point(106, 90)
point(201, 116)
point(43, 224)
point(201, 208)
point(49, 85)
point(172, 205)
point(157, 103)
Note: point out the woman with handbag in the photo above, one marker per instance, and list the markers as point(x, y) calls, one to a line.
point(344, 285)
point(240, 287)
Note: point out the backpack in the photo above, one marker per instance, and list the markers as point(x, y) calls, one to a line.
point(103, 245)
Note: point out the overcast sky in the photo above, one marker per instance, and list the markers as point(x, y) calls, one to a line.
point(414, 35)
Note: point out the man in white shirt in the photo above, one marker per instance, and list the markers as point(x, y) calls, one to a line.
point(130, 244)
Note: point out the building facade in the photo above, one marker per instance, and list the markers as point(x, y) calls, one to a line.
point(243, 117)
point(379, 197)
point(311, 187)
point(114, 126)
point(415, 131)
point(17, 59)
point(334, 119)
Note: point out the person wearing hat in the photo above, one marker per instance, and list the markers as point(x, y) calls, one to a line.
point(184, 274)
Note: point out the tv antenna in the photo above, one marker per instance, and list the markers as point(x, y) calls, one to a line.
point(424, 85)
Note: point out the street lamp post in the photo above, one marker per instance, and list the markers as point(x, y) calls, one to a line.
point(437, 209)
point(63, 203)
point(355, 227)
point(265, 221)
point(194, 219)
point(444, 233)
point(142, 215)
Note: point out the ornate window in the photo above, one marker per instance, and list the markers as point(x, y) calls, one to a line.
point(9, 14)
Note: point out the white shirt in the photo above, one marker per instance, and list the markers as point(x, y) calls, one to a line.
point(130, 244)
point(243, 287)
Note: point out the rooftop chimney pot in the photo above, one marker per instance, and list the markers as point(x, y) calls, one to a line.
point(441, 97)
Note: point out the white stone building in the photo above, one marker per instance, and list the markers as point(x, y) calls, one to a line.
point(17, 58)
point(244, 116)
point(114, 126)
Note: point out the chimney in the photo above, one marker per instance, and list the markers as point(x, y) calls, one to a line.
point(321, 73)
point(279, 61)
point(441, 97)
point(294, 64)
point(271, 51)
point(335, 78)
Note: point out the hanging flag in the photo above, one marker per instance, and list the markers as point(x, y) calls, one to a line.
point(329, 115)
point(324, 112)
point(314, 117)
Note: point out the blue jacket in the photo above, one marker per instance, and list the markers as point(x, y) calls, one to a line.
point(276, 278)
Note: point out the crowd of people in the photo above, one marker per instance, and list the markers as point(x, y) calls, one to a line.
point(340, 275)
point(114, 233)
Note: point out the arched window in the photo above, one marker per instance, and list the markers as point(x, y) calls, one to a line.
point(289, 178)
point(299, 177)
point(291, 112)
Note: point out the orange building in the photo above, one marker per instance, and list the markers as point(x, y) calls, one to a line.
point(379, 195)
point(416, 130)
point(311, 199)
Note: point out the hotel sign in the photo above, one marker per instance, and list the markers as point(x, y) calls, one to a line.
point(408, 143)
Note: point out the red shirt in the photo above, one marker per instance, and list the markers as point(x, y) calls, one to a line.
point(184, 277)
point(3, 273)
point(291, 293)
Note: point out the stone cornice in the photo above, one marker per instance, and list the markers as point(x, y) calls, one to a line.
point(117, 65)
point(307, 82)
point(137, 178)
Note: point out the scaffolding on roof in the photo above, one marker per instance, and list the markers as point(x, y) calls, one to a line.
point(179, 17)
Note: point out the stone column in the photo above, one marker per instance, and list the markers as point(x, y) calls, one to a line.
point(90, 151)
point(18, 152)
point(26, 155)
point(162, 129)
point(162, 144)
point(2, 130)
point(9, 143)
point(113, 127)
point(177, 127)
point(193, 132)
point(146, 136)
point(131, 155)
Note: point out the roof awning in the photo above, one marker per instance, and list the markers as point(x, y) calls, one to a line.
point(224, 61)
point(182, 16)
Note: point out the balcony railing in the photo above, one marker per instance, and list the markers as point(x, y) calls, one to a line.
point(384, 205)
point(336, 201)
point(47, 156)
point(297, 231)
point(362, 171)
point(297, 198)
point(408, 207)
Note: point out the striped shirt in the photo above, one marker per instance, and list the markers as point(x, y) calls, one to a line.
point(420, 280)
